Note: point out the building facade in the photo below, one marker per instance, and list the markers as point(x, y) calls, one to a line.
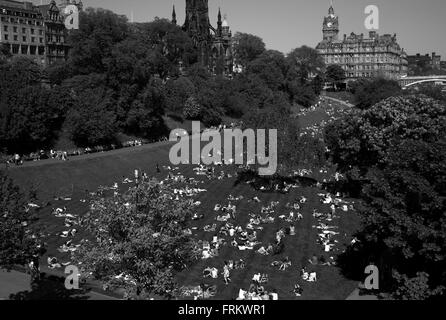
point(433, 61)
point(360, 56)
point(213, 44)
point(22, 29)
point(37, 32)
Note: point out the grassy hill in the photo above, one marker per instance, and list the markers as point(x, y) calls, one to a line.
point(78, 177)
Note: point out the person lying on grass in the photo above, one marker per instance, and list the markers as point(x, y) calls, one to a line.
point(282, 264)
point(210, 273)
point(298, 291)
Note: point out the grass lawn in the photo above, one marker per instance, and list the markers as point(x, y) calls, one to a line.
point(81, 175)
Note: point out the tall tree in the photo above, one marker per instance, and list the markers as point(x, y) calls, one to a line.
point(140, 240)
point(247, 48)
point(92, 121)
point(305, 63)
point(271, 67)
point(396, 150)
point(374, 91)
point(335, 74)
point(99, 30)
point(20, 243)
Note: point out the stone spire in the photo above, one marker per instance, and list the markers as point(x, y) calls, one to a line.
point(219, 23)
point(174, 16)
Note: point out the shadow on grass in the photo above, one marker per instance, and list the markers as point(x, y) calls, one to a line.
point(357, 257)
point(270, 184)
point(50, 288)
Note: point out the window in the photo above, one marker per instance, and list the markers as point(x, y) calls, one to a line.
point(24, 39)
point(23, 30)
point(32, 31)
point(33, 39)
point(5, 28)
point(16, 38)
point(41, 32)
point(15, 29)
point(41, 40)
point(6, 37)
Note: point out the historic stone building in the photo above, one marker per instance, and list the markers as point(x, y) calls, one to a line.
point(359, 56)
point(433, 61)
point(214, 44)
point(37, 32)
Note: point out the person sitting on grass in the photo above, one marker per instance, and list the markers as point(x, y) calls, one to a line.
point(239, 265)
point(313, 277)
point(252, 236)
point(244, 236)
point(298, 290)
point(314, 260)
point(210, 273)
point(285, 263)
point(226, 273)
point(266, 251)
point(274, 295)
point(304, 274)
point(241, 295)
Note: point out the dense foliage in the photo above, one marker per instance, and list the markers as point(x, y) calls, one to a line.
point(19, 241)
point(397, 150)
point(140, 240)
point(369, 92)
point(125, 78)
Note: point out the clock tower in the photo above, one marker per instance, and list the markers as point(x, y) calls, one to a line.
point(330, 29)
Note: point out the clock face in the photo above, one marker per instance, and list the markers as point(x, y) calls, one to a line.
point(329, 24)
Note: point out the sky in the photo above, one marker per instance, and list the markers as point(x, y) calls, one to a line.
point(420, 25)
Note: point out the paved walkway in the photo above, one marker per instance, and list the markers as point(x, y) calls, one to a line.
point(356, 296)
point(149, 146)
point(339, 101)
point(16, 282)
point(13, 282)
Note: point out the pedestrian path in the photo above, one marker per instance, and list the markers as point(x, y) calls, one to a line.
point(355, 295)
point(16, 282)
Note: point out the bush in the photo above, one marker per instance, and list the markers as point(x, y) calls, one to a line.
point(192, 109)
point(93, 121)
point(371, 92)
point(177, 92)
point(211, 118)
point(397, 151)
point(361, 139)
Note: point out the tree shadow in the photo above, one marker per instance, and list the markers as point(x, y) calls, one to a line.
point(50, 288)
point(358, 256)
point(271, 184)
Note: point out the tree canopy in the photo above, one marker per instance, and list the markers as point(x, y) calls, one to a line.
point(140, 240)
point(397, 150)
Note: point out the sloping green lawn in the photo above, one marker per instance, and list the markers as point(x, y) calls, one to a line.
point(79, 176)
